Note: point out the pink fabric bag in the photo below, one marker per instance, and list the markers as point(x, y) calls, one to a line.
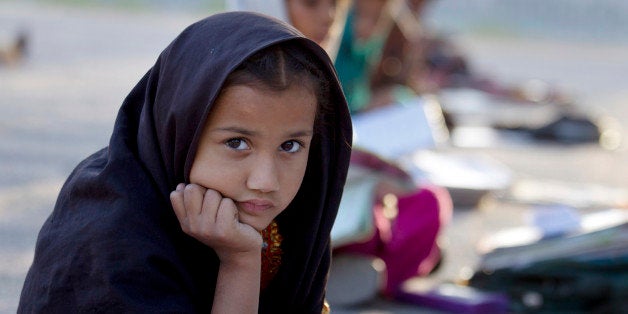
point(406, 239)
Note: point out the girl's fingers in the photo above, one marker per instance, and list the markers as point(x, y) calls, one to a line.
point(227, 212)
point(176, 198)
point(193, 199)
point(211, 202)
point(212, 219)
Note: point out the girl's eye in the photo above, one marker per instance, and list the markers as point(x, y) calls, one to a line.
point(291, 146)
point(237, 144)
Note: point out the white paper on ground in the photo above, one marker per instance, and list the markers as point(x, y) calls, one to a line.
point(354, 222)
point(395, 130)
point(464, 171)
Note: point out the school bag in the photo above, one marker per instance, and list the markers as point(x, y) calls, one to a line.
point(582, 273)
point(401, 228)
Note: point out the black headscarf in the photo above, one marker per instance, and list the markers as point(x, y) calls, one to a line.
point(113, 242)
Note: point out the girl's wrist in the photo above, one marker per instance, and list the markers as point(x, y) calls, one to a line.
point(242, 260)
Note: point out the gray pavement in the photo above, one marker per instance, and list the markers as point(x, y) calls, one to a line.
point(59, 106)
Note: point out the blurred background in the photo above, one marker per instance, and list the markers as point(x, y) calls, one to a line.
point(510, 162)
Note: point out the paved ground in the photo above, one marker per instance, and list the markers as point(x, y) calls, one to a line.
point(60, 104)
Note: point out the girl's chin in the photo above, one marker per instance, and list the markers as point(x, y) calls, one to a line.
point(257, 223)
point(321, 40)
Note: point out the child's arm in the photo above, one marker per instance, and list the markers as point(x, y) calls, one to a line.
point(208, 217)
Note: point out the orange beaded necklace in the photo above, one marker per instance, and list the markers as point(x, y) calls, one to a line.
point(271, 253)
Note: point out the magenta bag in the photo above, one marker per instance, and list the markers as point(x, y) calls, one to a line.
point(406, 226)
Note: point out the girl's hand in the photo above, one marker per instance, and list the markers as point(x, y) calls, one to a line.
point(212, 219)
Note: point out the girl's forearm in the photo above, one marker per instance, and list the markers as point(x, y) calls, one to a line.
point(238, 286)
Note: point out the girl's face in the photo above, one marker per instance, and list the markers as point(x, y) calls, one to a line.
point(312, 17)
point(254, 149)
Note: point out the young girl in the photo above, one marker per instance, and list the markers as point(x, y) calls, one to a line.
point(218, 189)
point(406, 244)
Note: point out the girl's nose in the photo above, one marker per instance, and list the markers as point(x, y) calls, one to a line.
point(263, 175)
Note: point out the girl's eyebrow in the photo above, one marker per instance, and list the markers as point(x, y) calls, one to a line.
point(236, 129)
point(301, 133)
point(244, 131)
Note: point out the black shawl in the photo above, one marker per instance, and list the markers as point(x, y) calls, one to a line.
point(113, 243)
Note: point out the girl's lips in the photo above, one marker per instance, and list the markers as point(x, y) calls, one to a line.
point(257, 205)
